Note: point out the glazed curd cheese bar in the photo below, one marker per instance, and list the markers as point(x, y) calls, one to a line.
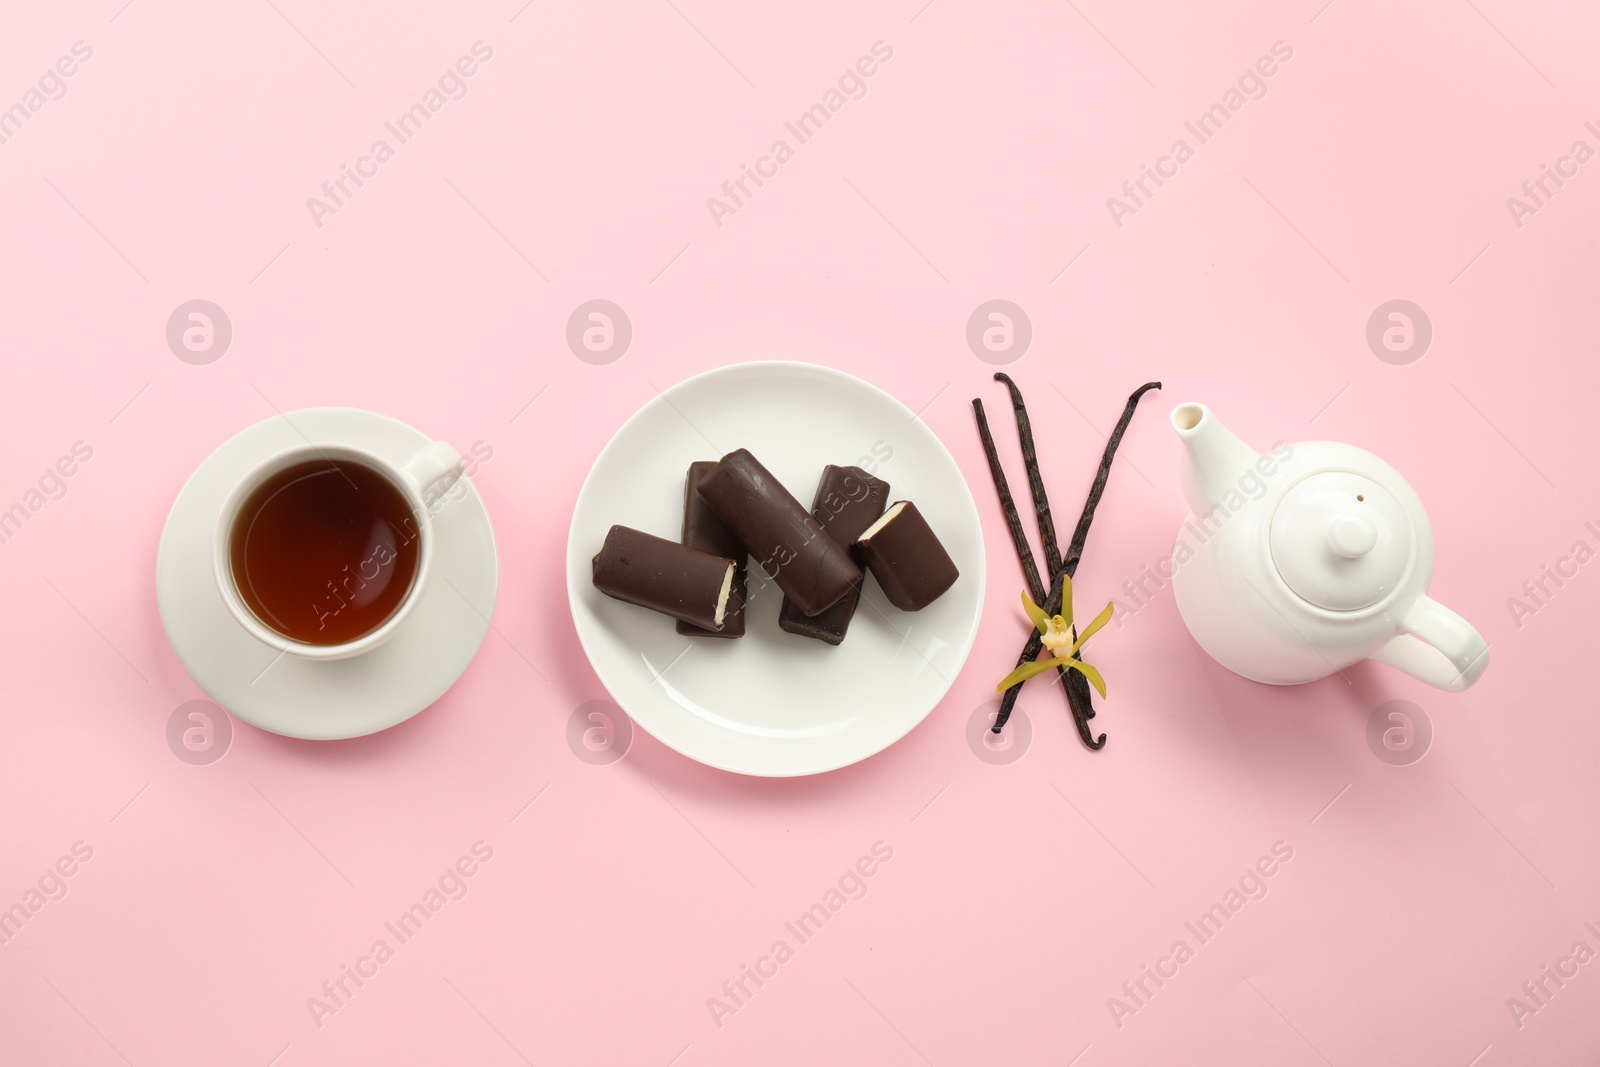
point(903, 553)
point(809, 566)
point(690, 585)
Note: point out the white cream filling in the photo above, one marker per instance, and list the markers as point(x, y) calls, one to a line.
point(722, 597)
point(888, 517)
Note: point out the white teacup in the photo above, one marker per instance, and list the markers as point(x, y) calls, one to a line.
point(430, 472)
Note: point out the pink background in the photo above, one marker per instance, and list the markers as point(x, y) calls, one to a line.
point(1020, 896)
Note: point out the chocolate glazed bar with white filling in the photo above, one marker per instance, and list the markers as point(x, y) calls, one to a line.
point(786, 542)
point(903, 553)
point(652, 572)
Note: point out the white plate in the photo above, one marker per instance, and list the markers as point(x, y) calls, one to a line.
point(772, 703)
point(339, 698)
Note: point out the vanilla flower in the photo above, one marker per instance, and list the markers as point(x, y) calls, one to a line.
point(1057, 634)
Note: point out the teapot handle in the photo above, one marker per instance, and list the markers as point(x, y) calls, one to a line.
point(1437, 646)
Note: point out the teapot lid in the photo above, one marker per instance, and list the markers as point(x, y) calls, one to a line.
point(1340, 540)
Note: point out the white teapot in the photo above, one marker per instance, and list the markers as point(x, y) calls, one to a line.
point(1300, 562)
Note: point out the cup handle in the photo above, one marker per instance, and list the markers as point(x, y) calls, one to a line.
point(434, 470)
point(1437, 646)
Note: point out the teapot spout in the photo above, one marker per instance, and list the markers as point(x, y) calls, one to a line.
point(1217, 459)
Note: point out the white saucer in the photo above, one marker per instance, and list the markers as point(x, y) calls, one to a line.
point(340, 698)
point(772, 703)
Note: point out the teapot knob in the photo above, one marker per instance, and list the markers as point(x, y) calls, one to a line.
point(1351, 536)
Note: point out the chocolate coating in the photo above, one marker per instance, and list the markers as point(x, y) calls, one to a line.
point(652, 572)
point(848, 500)
point(787, 543)
point(703, 530)
point(906, 557)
